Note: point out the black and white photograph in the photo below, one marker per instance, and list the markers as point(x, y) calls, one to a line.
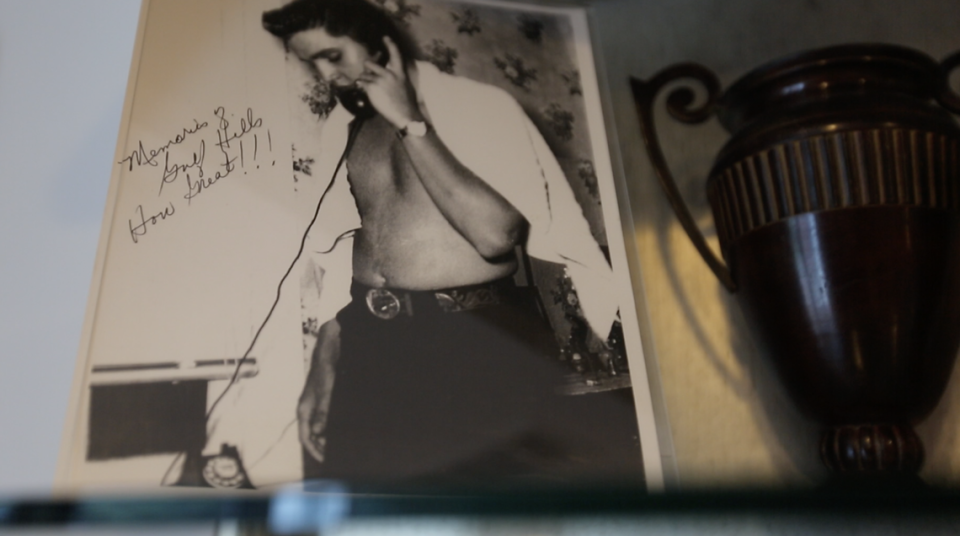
point(364, 241)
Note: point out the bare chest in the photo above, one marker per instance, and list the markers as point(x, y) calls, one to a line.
point(404, 240)
point(380, 172)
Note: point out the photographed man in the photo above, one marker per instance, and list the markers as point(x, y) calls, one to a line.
point(441, 368)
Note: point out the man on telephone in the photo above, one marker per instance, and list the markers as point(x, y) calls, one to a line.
point(440, 367)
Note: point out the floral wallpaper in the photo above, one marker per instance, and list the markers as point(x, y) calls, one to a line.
point(531, 56)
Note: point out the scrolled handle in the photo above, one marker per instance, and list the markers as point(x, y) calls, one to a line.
point(679, 102)
point(947, 97)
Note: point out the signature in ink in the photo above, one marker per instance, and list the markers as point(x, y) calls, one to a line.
point(195, 188)
point(237, 143)
point(142, 157)
point(140, 229)
point(247, 124)
point(225, 135)
point(170, 173)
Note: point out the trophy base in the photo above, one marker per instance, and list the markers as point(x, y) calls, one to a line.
point(871, 449)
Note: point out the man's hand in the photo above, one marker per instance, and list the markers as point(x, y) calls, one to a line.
point(311, 422)
point(389, 88)
point(315, 399)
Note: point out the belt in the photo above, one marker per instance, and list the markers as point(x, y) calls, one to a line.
point(389, 303)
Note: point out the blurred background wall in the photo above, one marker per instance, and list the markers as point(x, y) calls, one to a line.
point(63, 74)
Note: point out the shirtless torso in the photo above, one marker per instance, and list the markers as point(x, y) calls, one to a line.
point(405, 241)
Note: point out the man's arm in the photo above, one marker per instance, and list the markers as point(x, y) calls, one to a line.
point(477, 211)
point(314, 401)
point(487, 220)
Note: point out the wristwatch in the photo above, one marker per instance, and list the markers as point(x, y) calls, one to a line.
point(416, 129)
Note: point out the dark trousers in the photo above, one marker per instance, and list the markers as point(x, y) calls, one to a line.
point(466, 397)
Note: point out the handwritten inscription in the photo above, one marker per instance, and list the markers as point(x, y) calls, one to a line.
point(188, 171)
point(171, 172)
point(143, 157)
point(143, 221)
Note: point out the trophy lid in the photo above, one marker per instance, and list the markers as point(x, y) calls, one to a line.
point(819, 74)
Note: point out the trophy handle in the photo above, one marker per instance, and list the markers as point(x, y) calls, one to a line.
point(678, 104)
point(947, 97)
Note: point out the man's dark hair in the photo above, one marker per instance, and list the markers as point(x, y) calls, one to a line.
point(359, 20)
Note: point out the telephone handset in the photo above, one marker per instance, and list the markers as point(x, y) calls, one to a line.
point(354, 99)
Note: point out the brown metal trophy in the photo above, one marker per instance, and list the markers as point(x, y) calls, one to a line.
point(837, 204)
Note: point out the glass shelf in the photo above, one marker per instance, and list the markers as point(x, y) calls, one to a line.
point(333, 507)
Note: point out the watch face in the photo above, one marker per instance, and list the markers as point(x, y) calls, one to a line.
point(417, 129)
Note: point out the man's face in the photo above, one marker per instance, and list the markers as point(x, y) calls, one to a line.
point(338, 60)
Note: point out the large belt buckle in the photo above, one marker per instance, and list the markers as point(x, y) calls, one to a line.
point(383, 303)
